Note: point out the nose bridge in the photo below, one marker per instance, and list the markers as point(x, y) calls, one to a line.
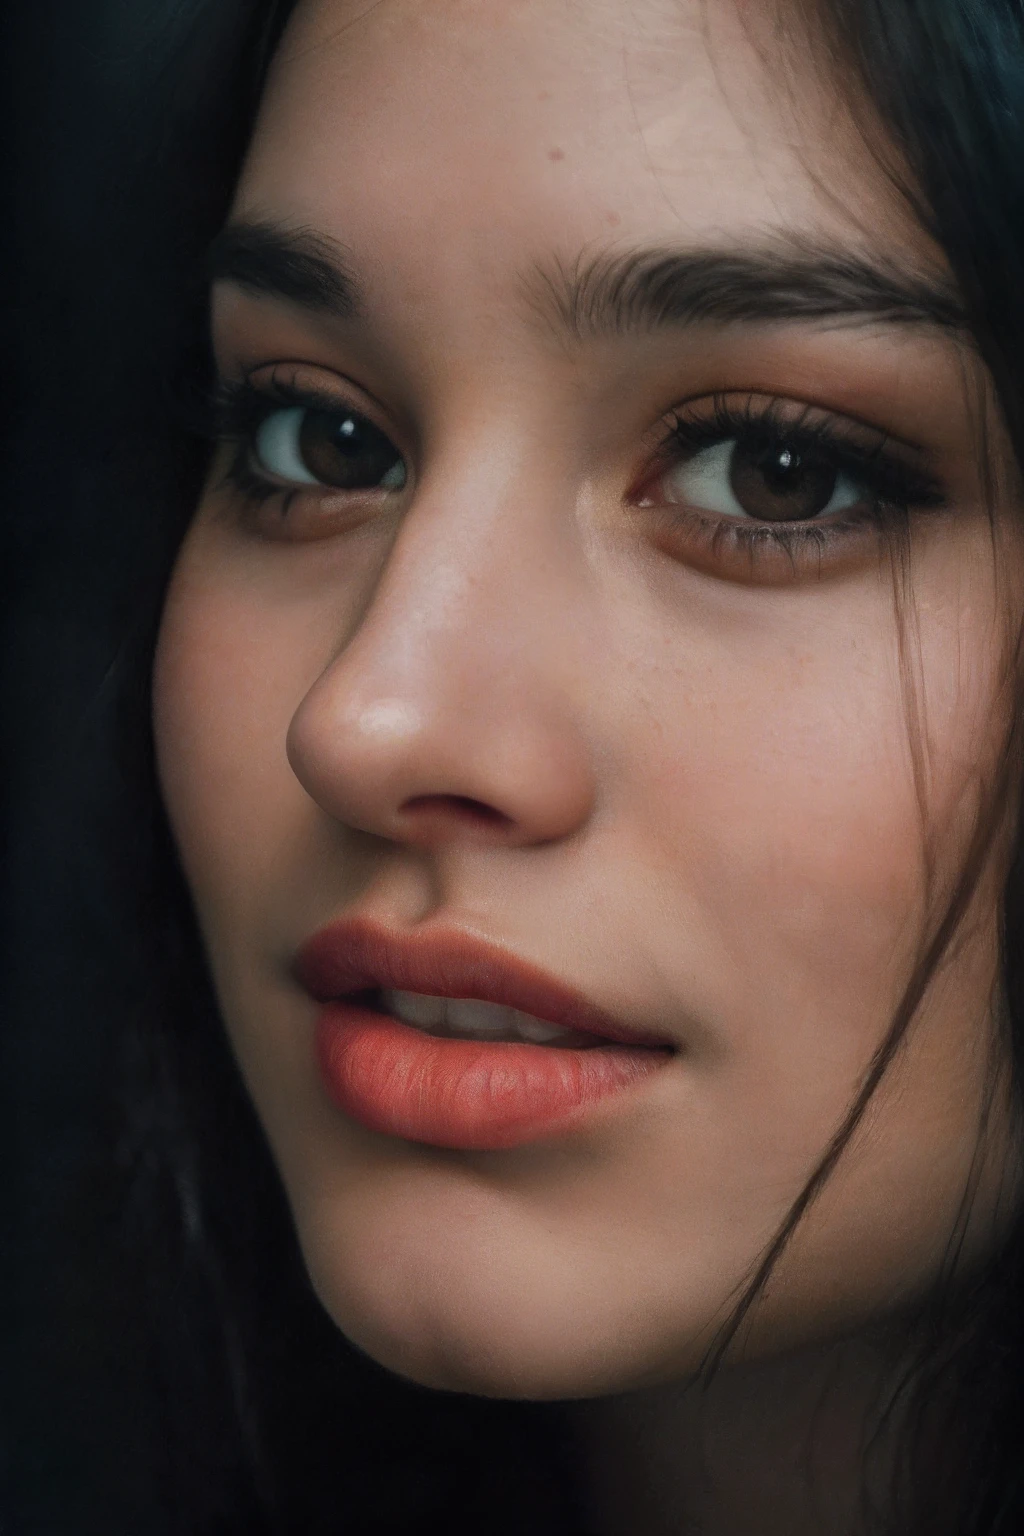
point(484, 573)
point(456, 688)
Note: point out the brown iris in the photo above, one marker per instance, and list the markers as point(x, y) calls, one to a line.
point(347, 451)
point(777, 484)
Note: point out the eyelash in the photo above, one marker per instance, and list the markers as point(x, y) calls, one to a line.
point(236, 411)
point(238, 408)
point(894, 487)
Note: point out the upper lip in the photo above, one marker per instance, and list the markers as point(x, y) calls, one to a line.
point(355, 954)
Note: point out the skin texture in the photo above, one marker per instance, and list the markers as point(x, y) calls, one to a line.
point(710, 820)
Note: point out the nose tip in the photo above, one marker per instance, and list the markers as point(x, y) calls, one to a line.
point(452, 767)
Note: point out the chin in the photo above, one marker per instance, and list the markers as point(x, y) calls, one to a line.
point(457, 1333)
point(484, 1363)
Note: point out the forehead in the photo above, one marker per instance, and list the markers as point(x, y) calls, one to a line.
point(477, 129)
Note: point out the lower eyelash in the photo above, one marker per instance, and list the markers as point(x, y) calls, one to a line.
point(240, 476)
point(790, 538)
point(775, 551)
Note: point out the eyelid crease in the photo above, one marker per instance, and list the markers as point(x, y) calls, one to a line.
point(776, 404)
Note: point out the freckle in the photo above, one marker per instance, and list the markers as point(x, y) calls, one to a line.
point(612, 219)
point(556, 154)
point(543, 95)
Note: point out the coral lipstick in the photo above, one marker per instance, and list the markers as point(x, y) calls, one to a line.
point(466, 1094)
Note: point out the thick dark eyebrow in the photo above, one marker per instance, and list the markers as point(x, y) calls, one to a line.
point(785, 278)
point(300, 265)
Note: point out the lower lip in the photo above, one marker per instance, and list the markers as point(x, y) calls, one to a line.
point(470, 1095)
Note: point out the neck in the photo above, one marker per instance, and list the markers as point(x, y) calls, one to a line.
point(778, 1448)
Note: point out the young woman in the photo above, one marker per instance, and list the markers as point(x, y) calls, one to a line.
point(585, 713)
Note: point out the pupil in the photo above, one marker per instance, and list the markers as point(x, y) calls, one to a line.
point(349, 452)
point(777, 484)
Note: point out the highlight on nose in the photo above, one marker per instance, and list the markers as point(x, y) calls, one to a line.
point(388, 719)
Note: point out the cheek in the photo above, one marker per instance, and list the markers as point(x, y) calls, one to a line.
point(776, 799)
point(778, 850)
point(776, 856)
point(224, 690)
point(783, 828)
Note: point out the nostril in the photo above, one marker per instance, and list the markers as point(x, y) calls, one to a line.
point(460, 807)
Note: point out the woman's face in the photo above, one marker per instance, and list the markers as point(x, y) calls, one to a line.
point(546, 635)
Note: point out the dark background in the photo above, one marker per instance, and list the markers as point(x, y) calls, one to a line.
point(118, 152)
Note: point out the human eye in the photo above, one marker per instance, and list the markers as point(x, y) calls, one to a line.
point(304, 460)
point(759, 485)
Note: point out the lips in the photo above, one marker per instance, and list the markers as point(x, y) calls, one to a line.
point(461, 1093)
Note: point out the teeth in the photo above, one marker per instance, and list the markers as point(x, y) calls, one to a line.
point(416, 1008)
point(466, 1016)
point(537, 1029)
point(471, 1019)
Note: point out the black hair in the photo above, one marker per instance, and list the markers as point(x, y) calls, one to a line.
point(176, 1373)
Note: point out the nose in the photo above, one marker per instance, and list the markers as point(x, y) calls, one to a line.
point(456, 711)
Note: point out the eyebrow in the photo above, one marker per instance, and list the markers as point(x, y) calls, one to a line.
point(784, 277)
point(301, 265)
